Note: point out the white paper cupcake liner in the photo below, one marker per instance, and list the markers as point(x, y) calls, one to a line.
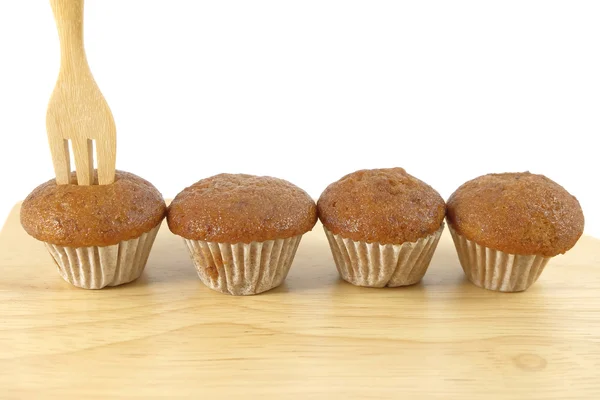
point(496, 270)
point(96, 267)
point(380, 265)
point(243, 268)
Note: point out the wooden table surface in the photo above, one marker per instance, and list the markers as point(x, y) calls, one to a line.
point(166, 335)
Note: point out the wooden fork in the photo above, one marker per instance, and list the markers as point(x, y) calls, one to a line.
point(77, 110)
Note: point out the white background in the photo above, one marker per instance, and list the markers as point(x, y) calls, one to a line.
point(311, 90)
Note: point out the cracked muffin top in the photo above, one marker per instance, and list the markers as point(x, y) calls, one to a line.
point(381, 205)
point(239, 208)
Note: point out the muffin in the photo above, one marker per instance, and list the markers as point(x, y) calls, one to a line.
point(242, 231)
point(383, 226)
point(506, 227)
point(98, 235)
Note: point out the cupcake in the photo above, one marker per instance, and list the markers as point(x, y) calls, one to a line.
point(383, 226)
point(242, 231)
point(98, 235)
point(506, 227)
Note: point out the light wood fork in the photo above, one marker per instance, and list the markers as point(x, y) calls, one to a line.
point(77, 111)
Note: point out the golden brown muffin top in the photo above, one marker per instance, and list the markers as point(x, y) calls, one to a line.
point(517, 213)
point(381, 205)
point(238, 208)
point(96, 215)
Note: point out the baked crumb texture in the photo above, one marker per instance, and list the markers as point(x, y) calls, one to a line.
point(96, 215)
point(517, 213)
point(239, 208)
point(386, 206)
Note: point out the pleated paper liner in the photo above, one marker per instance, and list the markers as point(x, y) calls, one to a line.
point(243, 268)
point(96, 267)
point(496, 270)
point(381, 265)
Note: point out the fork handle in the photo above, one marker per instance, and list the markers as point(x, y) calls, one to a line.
point(68, 15)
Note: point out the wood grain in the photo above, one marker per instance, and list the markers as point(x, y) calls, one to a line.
point(166, 335)
point(77, 111)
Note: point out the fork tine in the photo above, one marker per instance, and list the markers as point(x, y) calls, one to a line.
point(106, 150)
point(84, 161)
point(61, 161)
point(77, 110)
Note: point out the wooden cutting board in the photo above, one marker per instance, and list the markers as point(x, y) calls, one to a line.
point(166, 335)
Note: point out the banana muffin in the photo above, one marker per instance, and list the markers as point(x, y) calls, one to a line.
point(98, 235)
point(507, 226)
point(383, 226)
point(242, 231)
